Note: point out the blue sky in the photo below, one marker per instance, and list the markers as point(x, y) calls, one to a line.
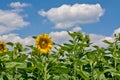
point(22, 19)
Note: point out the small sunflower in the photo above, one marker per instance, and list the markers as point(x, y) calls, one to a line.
point(44, 43)
point(3, 47)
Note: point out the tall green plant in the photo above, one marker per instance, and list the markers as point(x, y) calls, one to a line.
point(79, 59)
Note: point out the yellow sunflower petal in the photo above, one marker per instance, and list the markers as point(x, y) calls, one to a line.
point(44, 43)
point(3, 47)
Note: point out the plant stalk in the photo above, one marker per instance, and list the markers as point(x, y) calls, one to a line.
point(45, 68)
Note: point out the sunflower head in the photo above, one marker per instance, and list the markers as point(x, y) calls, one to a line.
point(3, 47)
point(44, 43)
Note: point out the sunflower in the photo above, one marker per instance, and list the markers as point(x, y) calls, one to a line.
point(44, 43)
point(3, 47)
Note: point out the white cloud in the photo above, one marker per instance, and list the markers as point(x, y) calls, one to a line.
point(97, 39)
point(111, 39)
point(117, 31)
point(60, 37)
point(18, 5)
point(10, 21)
point(67, 16)
point(77, 28)
point(16, 38)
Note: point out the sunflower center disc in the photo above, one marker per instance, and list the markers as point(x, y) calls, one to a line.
point(43, 44)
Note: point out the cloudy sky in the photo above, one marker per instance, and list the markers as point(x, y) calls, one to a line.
point(21, 19)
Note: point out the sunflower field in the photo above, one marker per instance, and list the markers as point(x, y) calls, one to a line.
point(78, 59)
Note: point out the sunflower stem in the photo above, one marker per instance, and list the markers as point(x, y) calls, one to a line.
point(45, 72)
point(39, 75)
point(45, 68)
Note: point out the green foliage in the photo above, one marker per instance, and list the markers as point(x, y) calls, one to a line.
point(77, 60)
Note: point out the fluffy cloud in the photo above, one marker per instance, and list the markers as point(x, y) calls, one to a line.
point(60, 37)
point(18, 5)
point(16, 38)
point(111, 39)
point(10, 21)
point(77, 28)
point(67, 16)
point(98, 39)
point(117, 31)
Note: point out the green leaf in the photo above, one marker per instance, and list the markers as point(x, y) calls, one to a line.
point(97, 47)
point(55, 77)
point(80, 36)
point(15, 64)
point(21, 58)
point(64, 77)
point(83, 74)
point(72, 34)
point(5, 77)
point(71, 41)
point(87, 38)
point(115, 74)
point(101, 77)
point(19, 47)
point(34, 37)
point(60, 69)
point(107, 42)
point(11, 44)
